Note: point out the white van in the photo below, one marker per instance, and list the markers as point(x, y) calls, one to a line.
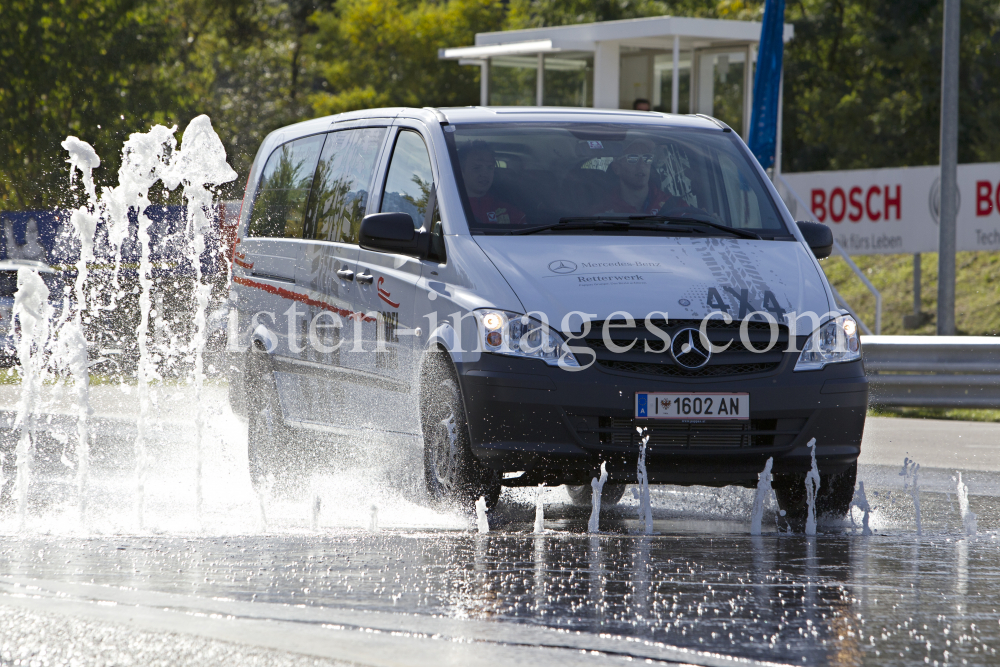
point(526, 293)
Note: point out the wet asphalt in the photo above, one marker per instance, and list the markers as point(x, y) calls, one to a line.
point(278, 583)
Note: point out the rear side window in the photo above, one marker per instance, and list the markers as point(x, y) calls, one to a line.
point(340, 194)
point(408, 185)
point(280, 208)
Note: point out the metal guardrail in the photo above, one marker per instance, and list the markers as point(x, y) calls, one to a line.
point(933, 371)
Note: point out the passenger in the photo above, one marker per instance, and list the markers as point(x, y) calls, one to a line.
point(478, 163)
point(635, 195)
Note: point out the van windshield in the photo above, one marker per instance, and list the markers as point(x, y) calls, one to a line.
point(514, 176)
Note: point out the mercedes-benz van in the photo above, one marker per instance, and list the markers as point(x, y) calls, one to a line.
point(523, 294)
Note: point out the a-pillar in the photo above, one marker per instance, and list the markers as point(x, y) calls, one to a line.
point(607, 71)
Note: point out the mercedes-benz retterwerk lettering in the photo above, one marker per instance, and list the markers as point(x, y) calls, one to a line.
point(522, 294)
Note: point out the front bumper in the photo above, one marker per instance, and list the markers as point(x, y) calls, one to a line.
point(558, 426)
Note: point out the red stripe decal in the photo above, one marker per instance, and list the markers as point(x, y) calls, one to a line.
point(236, 260)
point(301, 298)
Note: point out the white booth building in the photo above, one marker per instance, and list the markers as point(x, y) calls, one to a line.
point(681, 65)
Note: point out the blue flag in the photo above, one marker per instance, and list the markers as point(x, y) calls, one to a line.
point(764, 121)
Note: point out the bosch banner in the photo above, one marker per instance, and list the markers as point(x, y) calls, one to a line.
point(883, 211)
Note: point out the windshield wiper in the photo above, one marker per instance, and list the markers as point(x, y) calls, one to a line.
point(570, 224)
point(683, 220)
point(625, 224)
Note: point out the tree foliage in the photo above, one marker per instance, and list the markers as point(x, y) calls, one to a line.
point(862, 85)
point(70, 68)
point(385, 52)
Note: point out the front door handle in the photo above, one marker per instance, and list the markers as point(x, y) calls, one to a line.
point(345, 274)
point(366, 278)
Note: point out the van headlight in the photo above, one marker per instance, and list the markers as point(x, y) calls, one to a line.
point(835, 342)
point(516, 335)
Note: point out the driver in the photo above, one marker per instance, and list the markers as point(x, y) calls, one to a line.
point(478, 164)
point(635, 194)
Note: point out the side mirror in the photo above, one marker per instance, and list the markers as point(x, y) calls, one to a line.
point(819, 237)
point(393, 232)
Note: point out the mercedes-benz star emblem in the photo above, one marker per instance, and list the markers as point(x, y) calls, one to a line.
point(688, 350)
point(562, 266)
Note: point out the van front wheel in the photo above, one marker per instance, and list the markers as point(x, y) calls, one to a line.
point(451, 472)
point(832, 500)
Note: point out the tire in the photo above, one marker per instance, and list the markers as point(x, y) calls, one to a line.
point(269, 441)
point(452, 473)
point(583, 495)
point(832, 500)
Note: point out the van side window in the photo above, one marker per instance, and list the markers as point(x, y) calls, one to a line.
point(408, 185)
point(340, 194)
point(280, 207)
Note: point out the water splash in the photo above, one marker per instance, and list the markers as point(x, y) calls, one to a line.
point(263, 495)
point(597, 487)
point(969, 519)
point(540, 510)
point(764, 490)
point(198, 164)
point(373, 519)
point(317, 508)
point(145, 160)
point(911, 484)
point(73, 339)
point(812, 488)
point(645, 507)
point(32, 312)
point(860, 501)
point(481, 521)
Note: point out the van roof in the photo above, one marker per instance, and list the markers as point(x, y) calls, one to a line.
point(507, 115)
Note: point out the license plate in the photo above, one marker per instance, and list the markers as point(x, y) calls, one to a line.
point(650, 405)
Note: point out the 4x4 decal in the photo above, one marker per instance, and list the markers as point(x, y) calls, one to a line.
point(769, 302)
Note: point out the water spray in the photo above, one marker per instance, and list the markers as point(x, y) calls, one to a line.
point(73, 337)
point(763, 492)
point(199, 164)
point(645, 508)
point(482, 523)
point(32, 312)
point(969, 519)
point(812, 488)
point(911, 483)
point(860, 501)
point(597, 487)
point(539, 510)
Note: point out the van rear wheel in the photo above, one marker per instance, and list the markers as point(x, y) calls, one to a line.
point(451, 472)
point(269, 441)
point(583, 495)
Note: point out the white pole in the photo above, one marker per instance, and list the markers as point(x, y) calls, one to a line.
point(607, 70)
point(484, 83)
point(540, 80)
point(675, 81)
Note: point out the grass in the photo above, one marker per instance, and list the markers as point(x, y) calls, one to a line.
point(977, 290)
point(977, 306)
point(958, 414)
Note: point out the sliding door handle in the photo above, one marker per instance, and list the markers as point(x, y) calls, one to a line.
point(345, 274)
point(366, 278)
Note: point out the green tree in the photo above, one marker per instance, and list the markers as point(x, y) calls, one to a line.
point(384, 52)
point(71, 68)
point(863, 84)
